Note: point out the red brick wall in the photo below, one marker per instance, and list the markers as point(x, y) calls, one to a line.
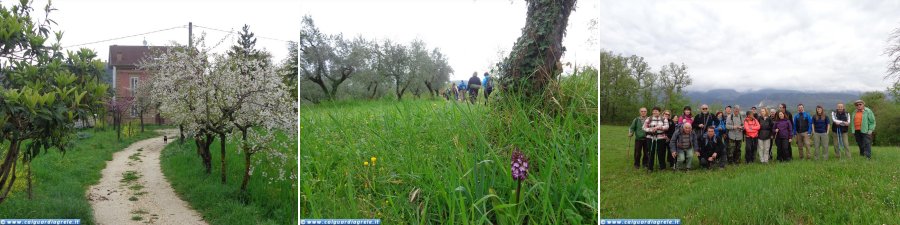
point(123, 89)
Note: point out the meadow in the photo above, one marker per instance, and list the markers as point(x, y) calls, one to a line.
point(836, 191)
point(267, 201)
point(444, 162)
point(61, 179)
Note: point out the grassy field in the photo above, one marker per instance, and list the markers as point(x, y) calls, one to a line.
point(61, 180)
point(855, 191)
point(266, 201)
point(442, 162)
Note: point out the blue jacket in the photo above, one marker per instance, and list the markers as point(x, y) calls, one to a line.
point(462, 85)
point(720, 127)
point(798, 118)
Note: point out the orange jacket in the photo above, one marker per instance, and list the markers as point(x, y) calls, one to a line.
point(751, 127)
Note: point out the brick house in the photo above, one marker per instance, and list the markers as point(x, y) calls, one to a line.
point(126, 76)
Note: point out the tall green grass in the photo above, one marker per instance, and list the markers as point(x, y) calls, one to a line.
point(855, 191)
point(441, 162)
point(61, 179)
point(267, 201)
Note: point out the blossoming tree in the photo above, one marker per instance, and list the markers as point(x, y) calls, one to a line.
point(214, 94)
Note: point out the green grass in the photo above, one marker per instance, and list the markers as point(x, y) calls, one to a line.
point(855, 191)
point(129, 176)
point(442, 162)
point(61, 180)
point(266, 202)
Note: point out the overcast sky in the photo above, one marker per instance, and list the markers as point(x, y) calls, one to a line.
point(469, 32)
point(750, 45)
point(86, 21)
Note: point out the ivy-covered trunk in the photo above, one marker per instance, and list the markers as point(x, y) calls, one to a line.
point(534, 60)
point(8, 169)
point(222, 149)
point(247, 155)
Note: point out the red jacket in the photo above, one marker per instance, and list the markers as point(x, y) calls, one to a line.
point(751, 126)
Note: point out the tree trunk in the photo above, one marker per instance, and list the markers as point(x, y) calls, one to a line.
point(181, 133)
point(8, 169)
point(142, 121)
point(117, 121)
point(27, 164)
point(222, 149)
point(247, 155)
point(374, 91)
point(534, 61)
point(203, 142)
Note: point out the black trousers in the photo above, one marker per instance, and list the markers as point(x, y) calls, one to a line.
point(864, 141)
point(750, 152)
point(656, 148)
point(640, 157)
point(784, 151)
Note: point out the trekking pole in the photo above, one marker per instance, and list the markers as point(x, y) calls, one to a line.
point(840, 142)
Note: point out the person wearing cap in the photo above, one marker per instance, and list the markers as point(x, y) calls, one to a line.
point(862, 125)
point(802, 132)
point(636, 129)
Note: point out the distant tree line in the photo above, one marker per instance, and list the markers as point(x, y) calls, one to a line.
point(334, 67)
point(629, 82)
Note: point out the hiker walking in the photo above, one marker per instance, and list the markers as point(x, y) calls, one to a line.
point(820, 134)
point(636, 129)
point(840, 119)
point(863, 124)
point(474, 85)
point(488, 84)
point(656, 127)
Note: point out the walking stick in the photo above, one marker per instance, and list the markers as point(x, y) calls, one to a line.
point(841, 143)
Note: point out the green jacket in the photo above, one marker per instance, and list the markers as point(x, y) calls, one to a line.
point(637, 127)
point(868, 121)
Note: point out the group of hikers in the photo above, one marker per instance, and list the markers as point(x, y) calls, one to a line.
point(716, 138)
point(458, 91)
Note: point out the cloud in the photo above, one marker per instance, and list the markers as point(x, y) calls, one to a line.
point(751, 45)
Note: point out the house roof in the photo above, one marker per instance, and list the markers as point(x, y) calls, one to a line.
point(130, 55)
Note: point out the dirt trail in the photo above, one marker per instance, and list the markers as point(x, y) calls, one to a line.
point(133, 190)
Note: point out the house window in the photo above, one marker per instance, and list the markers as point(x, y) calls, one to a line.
point(134, 86)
